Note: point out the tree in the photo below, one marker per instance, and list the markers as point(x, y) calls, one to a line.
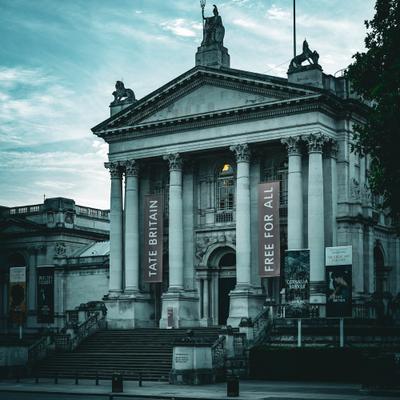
point(375, 75)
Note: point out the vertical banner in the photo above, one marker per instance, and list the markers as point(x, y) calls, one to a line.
point(45, 295)
point(18, 294)
point(153, 238)
point(268, 229)
point(338, 262)
point(297, 280)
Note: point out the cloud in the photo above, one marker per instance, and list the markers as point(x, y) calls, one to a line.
point(182, 27)
point(279, 14)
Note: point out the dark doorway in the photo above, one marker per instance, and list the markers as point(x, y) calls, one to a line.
point(225, 285)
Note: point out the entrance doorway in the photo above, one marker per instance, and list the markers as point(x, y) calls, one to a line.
point(226, 283)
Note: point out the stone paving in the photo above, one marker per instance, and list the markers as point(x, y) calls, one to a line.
point(251, 390)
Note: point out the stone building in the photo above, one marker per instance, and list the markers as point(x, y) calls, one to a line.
point(206, 140)
point(65, 240)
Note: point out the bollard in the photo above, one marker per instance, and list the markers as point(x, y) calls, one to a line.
point(17, 379)
point(140, 379)
point(56, 378)
point(232, 386)
point(36, 379)
point(76, 378)
point(97, 378)
point(117, 384)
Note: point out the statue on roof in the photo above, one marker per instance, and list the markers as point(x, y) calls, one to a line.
point(122, 94)
point(213, 30)
point(307, 55)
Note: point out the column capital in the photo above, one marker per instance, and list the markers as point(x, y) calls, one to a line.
point(293, 144)
point(332, 148)
point(131, 168)
point(175, 161)
point(315, 142)
point(114, 168)
point(241, 151)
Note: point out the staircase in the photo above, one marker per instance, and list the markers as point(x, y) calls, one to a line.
point(129, 352)
point(325, 333)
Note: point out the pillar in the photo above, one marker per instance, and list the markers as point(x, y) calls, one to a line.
point(116, 228)
point(316, 237)
point(131, 227)
point(332, 155)
point(243, 241)
point(175, 242)
point(295, 193)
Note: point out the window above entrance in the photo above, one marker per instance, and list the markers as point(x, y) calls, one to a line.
point(225, 193)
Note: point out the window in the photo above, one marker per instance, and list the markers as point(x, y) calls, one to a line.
point(225, 193)
point(278, 171)
point(225, 188)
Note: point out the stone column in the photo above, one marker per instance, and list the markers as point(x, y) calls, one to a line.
point(332, 155)
point(295, 193)
point(175, 242)
point(131, 226)
point(116, 228)
point(316, 237)
point(243, 242)
point(206, 305)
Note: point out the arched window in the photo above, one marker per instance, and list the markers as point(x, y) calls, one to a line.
point(225, 193)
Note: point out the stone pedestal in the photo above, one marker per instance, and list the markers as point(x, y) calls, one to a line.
point(192, 364)
point(243, 304)
point(308, 75)
point(184, 310)
point(214, 55)
point(130, 311)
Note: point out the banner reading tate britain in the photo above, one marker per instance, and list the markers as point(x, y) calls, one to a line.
point(268, 229)
point(153, 238)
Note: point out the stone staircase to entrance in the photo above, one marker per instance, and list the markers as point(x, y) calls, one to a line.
point(325, 333)
point(130, 352)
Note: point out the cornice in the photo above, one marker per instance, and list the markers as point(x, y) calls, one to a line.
point(218, 118)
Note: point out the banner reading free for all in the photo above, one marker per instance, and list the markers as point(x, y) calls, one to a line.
point(268, 229)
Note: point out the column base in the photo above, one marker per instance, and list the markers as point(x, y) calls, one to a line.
point(184, 310)
point(244, 303)
point(129, 311)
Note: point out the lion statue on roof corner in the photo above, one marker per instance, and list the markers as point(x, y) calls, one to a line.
point(122, 93)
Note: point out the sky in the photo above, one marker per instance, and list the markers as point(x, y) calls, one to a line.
point(59, 61)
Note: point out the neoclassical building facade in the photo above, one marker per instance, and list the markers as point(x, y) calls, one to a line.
point(205, 141)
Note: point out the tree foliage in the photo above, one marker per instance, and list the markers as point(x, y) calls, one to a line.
point(375, 75)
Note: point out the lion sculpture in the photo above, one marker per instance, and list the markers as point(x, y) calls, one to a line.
point(121, 93)
point(307, 55)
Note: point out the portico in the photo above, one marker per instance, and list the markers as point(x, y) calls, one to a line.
point(205, 141)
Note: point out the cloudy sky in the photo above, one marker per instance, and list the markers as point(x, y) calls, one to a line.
point(59, 61)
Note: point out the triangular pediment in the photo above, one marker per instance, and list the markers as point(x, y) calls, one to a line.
point(207, 98)
point(201, 91)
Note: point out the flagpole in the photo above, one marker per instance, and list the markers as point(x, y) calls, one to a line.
point(294, 28)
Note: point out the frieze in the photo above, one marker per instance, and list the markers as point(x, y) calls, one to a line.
point(204, 240)
point(355, 191)
point(60, 249)
point(242, 152)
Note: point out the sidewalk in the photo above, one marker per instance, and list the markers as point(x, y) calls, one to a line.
point(251, 390)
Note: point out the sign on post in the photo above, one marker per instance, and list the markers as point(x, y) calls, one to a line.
point(153, 238)
point(297, 283)
point(268, 230)
point(45, 295)
point(339, 281)
point(17, 294)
